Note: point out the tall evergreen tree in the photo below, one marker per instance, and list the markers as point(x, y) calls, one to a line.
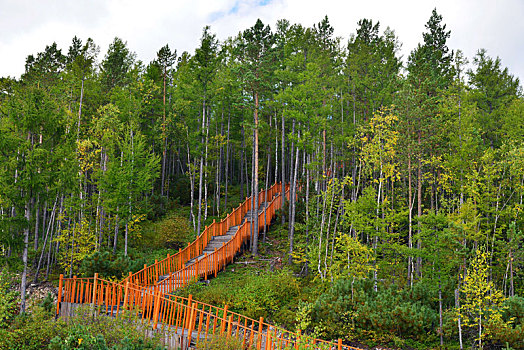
point(255, 51)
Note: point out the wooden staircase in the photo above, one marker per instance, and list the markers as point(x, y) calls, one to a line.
point(147, 292)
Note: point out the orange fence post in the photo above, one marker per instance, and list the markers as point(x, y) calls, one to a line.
point(156, 270)
point(179, 258)
point(268, 339)
point(186, 313)
point(260, 328)
point(339, 344)
point(191, 323)
point(58, 300)
point(156, 309)
point(229, 322)
point(126, 294)
point(73, 290)
point(224, 318)
point(93, 300)
point(205, 273)
point(215, 261)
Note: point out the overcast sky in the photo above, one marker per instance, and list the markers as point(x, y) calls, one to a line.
point(27, 26)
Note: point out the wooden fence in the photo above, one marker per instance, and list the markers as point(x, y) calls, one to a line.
point(212, 263)
point(172, 263)
point(190, 319)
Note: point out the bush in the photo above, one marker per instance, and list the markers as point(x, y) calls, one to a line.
point(48, 303)
point(80, 337)
point(115, 332)
point(110, 266)
point(83, 331)
point(514, 309)
point(267, 295)
point(174, 232)
point(113, 329)
point(387, 316)
point(8, 300)
point(170, 232)
point(31, 331)
point(221, 343)
point(502, 333)
point(272, 295)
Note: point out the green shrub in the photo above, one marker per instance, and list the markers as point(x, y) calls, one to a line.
point(514, 309)
point(31, 331)
point(110, 266)
point(48, 304)
point(8, 300)
point(265, 295)
point(112, 329)
point(389, 315)
point(80, 337)
point(221, 343)
point(171, 232)
point(512, 334)
point(250, 292)
point(39, 330)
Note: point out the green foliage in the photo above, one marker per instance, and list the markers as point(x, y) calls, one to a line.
point(31, 331)
point(116, 64)
point(39, 329)
point(511, 330)
point(272, 295)
point(182, 190)
point(47, 304)
point(82, 242)
point(482, 302)
point(352, 258)
point(171, 232)
point(221, 343)
point(80, 337)
point(110, 266)
point(8, 299)
point(266, 295)
point(123, 332)
point(353, 310)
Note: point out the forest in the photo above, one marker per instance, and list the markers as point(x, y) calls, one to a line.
point(406, 175)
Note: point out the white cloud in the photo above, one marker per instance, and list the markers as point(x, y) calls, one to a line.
point(27, 26)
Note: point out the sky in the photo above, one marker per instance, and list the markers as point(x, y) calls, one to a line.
point(27, 26)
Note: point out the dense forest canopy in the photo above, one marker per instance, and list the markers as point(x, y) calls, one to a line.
point(408, 174)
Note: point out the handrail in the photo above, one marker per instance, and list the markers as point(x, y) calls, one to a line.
point(192, 318)
point(214, 262)
point(155, 306)
point(172, 263)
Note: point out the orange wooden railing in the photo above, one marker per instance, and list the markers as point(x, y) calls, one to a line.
point(172, 263)
point(199, 320)
point(187, 317)
point(216, 261)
